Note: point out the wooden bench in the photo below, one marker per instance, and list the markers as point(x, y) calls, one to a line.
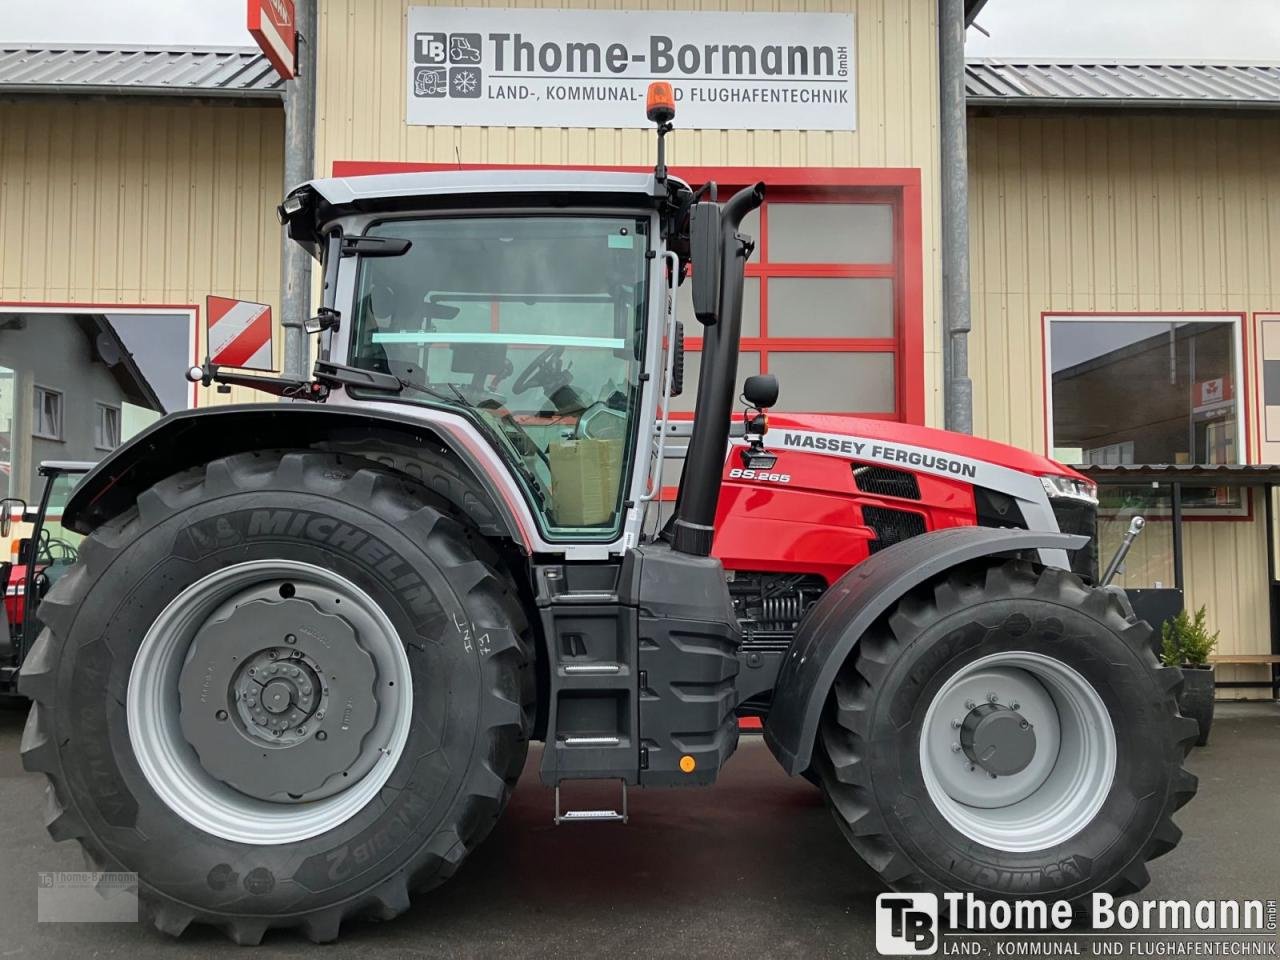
point(1250, 660)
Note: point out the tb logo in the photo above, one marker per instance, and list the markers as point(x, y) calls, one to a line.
point(907, 924)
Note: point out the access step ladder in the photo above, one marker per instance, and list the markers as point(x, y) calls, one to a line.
point(591, 816)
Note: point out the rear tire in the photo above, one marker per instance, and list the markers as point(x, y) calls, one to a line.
point(385, 585)
point(1090, 762)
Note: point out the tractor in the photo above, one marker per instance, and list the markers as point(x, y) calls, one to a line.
point(43, 551)
point(295, 670)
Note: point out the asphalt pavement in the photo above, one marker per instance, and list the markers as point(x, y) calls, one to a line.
point(751, 868)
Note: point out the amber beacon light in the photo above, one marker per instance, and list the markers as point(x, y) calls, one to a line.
point(660, 102)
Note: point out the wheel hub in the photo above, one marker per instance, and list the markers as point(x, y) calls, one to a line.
point(278, 692)
point(998, 739)
point(255, 696)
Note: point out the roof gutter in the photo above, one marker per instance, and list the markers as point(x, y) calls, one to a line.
point(1117, 103)
point(109, 90)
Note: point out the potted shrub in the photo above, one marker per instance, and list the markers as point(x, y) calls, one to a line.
point(1186, 642)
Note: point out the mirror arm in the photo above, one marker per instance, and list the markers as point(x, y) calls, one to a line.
point(209, 373)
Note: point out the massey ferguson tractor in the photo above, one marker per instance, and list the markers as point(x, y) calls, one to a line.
point(294, 673)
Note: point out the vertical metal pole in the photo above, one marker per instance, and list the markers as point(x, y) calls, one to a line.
point(953, 122)
point(1178, 579)
point(299, 166)
point(1270, 512)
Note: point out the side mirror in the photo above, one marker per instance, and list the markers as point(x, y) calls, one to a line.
point(705, 252)
point(761, 391)
point(7, 508)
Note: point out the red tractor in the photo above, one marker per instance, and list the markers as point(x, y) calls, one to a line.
point(294, 674)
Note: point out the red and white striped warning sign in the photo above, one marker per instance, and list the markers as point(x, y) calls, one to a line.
point(239, 333)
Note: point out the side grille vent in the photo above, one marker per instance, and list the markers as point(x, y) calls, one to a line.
point(891, 526)
point(886, 482)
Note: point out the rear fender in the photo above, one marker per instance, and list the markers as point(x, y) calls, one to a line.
point(191, 437)
point(830, 631)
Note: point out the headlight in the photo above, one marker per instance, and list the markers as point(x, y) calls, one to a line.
point(1071, 488)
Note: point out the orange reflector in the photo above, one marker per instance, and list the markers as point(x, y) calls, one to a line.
point(687, 763)
point(660, 102)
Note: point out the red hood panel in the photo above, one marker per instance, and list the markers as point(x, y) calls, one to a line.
point(942, 440)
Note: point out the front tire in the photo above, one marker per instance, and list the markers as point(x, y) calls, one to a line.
point(1006, 731)
point(285, 689)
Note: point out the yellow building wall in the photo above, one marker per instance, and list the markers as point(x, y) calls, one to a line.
point(360, 112)
point(140, 202)
point(1118, 212)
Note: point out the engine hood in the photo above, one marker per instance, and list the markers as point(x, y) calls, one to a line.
point(944, 441)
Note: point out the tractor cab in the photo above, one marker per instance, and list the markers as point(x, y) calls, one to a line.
point(41, 550)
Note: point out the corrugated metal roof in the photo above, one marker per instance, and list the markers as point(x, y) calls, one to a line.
point(170, 71)
point(1025, 83)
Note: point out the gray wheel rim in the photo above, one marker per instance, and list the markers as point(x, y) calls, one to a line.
point(1057, 719)
point(173, 768)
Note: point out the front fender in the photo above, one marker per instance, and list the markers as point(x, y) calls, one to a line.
point(827, 635)
point(189, 438)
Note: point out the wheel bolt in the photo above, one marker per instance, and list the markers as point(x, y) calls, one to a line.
point(969, 704)
point(955, 724)
point(320, 716)
point(321, 735)
point(301, 731)
point(1016, 705)
point(290, 638)
point(272, 654)
point(252, 671)
point(276, 733)
point(955, 748)
point(991, 775)
point(221, 714)
point(992, 698)
point(972, 767)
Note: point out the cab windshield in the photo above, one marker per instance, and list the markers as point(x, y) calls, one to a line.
point(532, 325)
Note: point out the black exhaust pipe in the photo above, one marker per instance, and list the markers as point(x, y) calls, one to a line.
point(694, 526)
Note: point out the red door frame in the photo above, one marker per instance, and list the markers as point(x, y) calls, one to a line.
point(899, 185)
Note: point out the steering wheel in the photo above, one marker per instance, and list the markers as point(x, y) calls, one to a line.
point(50, 550)
point(545, 370)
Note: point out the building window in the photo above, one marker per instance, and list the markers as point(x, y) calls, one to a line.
point(1134, 389)
point(106, 433)
point(822, 302)
point(47, 414)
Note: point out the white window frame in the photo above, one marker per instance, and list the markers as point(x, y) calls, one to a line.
point(1237, 322)
point(101, 408)
point(37, 413)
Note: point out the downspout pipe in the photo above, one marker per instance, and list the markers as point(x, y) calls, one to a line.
point(299, 167)
point(694, 526)
point(953, 126)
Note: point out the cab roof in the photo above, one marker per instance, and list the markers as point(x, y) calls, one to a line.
point(342, 191)
point(310, 206)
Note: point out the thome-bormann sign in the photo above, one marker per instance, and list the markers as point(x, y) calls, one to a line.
point(589, 68)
